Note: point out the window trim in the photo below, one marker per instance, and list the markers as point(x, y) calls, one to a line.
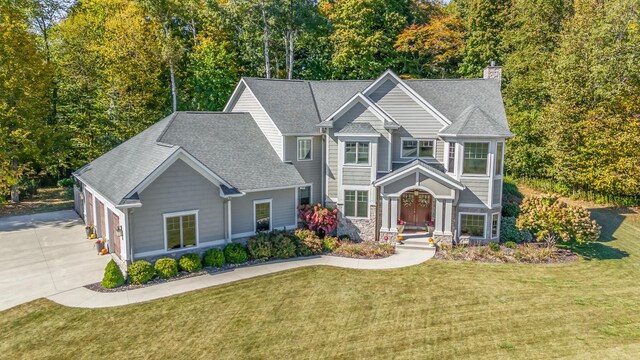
point(484, 233)
point(165, 216)
point(310, 186)
point(368, 203)
point(301, 138)
point(358, 142)
point(501, 160)
point(497, 227)
point(255, 223)
point(433, 140)
point(451, 168)
point(488, 167)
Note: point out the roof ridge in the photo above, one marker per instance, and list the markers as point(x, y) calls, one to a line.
point(272, 79)
point(315, 104)
point(173, 117)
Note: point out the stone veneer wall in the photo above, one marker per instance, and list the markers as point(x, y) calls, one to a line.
point(358, 229)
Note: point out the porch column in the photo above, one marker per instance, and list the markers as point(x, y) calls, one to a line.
point(448, 213)
point(385, 214)
point(394, 215)
point(439, 217)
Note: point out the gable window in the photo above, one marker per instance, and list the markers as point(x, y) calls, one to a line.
point(495, 224)
point(356, 203)
point(305, 149)
point(181, 230)
point(472, 225)
point(417, 148)
point(452, 157)
point(499, 151)
point(304, 195)
point(262, 215)
point(356, 152)
point(475, 158)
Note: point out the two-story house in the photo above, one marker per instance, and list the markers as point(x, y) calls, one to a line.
point(384, 151)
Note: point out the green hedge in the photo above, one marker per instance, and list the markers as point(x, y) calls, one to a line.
point(214, 258)
point(235, 253)
point(140, 272)
point(112, 276)
point(166, 268)
point(190, 262)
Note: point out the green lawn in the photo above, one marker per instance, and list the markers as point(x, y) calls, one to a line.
point(587, 309)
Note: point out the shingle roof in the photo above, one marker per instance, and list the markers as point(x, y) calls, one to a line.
point(330, 95)
point(218, 140)
point(119, 171)
point(289, 103)
point(423, 164)
point(358, 128)
point(233, 147)
point(474, 121)
point(453, 96)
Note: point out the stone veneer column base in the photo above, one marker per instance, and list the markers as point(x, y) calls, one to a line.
point(357, 229)
point(443, 239)
point(388, 237)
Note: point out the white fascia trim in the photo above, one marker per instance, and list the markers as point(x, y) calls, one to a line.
point(478, 136)
point(277, 188)
point(410, 92)
point(234, 95)
point(180, 154)
point(422, 168)
point(358, 98)
point(358, 135)
point(474, 206)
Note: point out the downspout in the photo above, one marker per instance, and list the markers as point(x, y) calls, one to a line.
point(324, 167)
point(129, 225)
point(377, 222)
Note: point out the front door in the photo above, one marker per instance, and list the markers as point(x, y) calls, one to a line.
point(415, 208)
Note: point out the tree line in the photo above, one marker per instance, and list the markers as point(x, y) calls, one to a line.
point(77, 78)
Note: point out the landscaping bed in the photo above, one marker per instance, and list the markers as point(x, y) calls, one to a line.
point(263, 248)
point(532, 253)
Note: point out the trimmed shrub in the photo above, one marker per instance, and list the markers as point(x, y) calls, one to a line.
point(235, 254)
point(318, 219)
point(214, 258)
point(494, 246)
point(166, 268)
point(510, 245)
point(190, 262)
point(308, 243)
point(330, 243)
point(112, 276)
point(547, 217)
point(283, 246)
point(259, 246)
point(140, 272)
point(509, 232)
point(365, 250)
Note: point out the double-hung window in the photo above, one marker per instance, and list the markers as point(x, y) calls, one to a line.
point(417, 148)
point(356, 203)
point(472, 225)
point(495, 224)
point(262, 215)
point(356, 152)
point(305, 149)
point(304, 195)
point(452, 157)
point(499, 151)
point(181, 230)
point(475, 158)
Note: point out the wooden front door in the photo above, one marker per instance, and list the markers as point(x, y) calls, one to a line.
point(113, 232)
point(100, 219)
point(89, 198)
point(415, 208)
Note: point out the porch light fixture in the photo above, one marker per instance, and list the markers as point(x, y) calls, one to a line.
point(119, 231)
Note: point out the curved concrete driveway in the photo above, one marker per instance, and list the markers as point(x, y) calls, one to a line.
point(45, 254)
point(85, 298)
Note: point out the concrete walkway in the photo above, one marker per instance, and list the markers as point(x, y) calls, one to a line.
point(85, 298)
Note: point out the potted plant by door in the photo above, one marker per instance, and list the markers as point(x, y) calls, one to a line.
point(89, 230)
point(99, 245)
point(401, 224)
point(430, 226)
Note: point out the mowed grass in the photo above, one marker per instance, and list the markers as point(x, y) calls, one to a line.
point(440, 309)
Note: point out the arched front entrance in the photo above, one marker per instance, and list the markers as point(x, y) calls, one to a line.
point(416, 208)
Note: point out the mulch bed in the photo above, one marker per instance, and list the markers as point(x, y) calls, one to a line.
point(505, 255)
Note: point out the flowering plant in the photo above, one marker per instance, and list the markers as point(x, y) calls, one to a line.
point(88, 227)
point(431, 223)
point(318, 218)
point(402, 222)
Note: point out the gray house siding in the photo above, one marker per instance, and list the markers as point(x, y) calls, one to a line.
point(332, 169)
point(248, 103)
point(358, 114)
point(179, 188)
point(311, 171)
point(356, 175)
point(476, 191)
point(283, 203)
point(497, 191)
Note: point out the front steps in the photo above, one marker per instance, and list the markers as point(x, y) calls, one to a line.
point(417, 241)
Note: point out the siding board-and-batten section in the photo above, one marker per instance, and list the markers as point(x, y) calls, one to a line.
point(247, 102)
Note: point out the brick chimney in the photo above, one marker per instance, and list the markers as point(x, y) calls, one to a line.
point(492, 71)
